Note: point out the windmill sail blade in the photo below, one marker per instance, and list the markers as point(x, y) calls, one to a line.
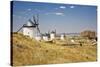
point(31, 21)
point(37, 18)
point(20, 29)
point(34, 19)
point(38, 29)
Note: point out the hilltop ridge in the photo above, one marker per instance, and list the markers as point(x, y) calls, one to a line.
point(27, 51)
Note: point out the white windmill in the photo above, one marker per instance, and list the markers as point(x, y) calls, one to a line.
point(62, 37)
point(29, 28)
point(53, 35)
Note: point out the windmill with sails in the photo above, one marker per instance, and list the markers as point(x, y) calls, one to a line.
point(30, 27)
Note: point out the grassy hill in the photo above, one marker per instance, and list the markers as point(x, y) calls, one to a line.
point(28, 51)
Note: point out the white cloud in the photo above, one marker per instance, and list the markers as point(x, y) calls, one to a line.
point(62, 7)
point(72, 6)
point(29, 9)
point(57, 13)
point(60, 14)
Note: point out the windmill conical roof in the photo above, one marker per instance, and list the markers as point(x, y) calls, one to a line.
point(30, 24)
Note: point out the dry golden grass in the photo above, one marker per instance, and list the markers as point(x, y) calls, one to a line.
point(28, 51)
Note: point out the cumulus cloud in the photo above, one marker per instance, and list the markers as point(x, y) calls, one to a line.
point(62, 7)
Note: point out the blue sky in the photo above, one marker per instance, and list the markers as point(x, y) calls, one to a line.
point(65, 18)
